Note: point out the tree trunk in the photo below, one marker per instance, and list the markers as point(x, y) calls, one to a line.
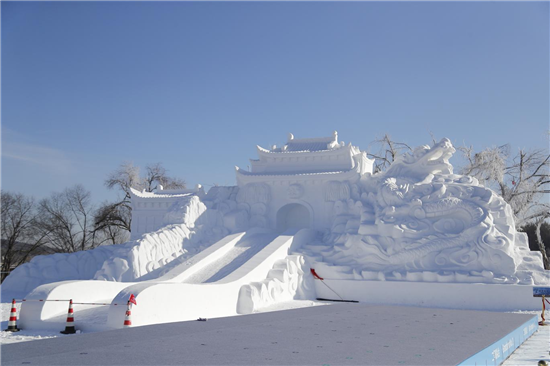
point(541, 245)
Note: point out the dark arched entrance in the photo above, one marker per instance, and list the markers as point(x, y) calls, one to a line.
point(293, 216)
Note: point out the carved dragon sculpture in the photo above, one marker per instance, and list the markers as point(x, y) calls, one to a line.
point(427, 218)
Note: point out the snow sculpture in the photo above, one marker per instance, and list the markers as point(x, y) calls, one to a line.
point(419, 221)
point(305, 179)
point(289, 279)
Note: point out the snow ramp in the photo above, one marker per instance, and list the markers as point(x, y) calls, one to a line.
point(209, 287)
point(207, 284)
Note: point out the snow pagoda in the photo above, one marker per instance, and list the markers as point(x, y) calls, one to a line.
point(301, 181)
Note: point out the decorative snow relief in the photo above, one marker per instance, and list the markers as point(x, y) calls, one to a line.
point(418, 221)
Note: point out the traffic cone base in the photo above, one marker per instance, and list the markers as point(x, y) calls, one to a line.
point(12, 323)
point(128, 316)
point(69, 328)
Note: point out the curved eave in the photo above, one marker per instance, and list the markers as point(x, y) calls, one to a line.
point(336, 175)
point(134, 193)
point(267, 153)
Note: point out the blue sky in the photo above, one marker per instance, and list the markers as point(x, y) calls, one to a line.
point(88, 85)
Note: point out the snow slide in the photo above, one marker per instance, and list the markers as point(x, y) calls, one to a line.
point(205, 285)
point(226, 286)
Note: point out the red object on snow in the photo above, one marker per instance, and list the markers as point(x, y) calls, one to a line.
point(315, 275)
point(132, 299)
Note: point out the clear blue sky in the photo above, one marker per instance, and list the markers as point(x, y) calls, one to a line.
point(88, 85)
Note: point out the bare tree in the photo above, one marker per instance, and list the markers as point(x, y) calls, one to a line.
point(20, 238)
point(156, 175)
point(125, 177)
point(66, 219)
point(114, 220)
point(388, 150)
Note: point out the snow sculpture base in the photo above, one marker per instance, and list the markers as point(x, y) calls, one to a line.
point(466, 296)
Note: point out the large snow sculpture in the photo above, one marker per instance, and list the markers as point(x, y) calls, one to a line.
point(419, 221)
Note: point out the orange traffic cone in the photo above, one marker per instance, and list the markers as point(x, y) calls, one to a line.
point(12, 323)
point(128, 317)
point(69, 328)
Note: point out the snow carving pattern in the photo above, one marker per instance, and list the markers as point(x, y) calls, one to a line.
point(289, 279)
point(254, 192)
point(335, 191)
point(152, 251)
point(295, 191)
point(418, 216)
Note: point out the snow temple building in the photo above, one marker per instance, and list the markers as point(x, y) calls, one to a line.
point(302, 180)
point(293, 186)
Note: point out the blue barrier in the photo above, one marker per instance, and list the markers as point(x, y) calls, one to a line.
point(539, 291)
point(499, 351)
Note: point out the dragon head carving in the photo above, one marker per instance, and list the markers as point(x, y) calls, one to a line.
point(423, 161)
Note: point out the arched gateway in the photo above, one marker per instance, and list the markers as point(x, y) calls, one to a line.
point(293, 216)
point(297, 185)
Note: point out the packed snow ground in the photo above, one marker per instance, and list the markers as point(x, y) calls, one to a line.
point(529, 353)
point(98, 317)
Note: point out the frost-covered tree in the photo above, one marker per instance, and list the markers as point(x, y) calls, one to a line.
point(523, 180)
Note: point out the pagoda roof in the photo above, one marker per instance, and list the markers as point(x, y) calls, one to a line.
point(315, 144)
point(289, 174)
point(164, 194)
point(341, 174)
point(310, 144)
